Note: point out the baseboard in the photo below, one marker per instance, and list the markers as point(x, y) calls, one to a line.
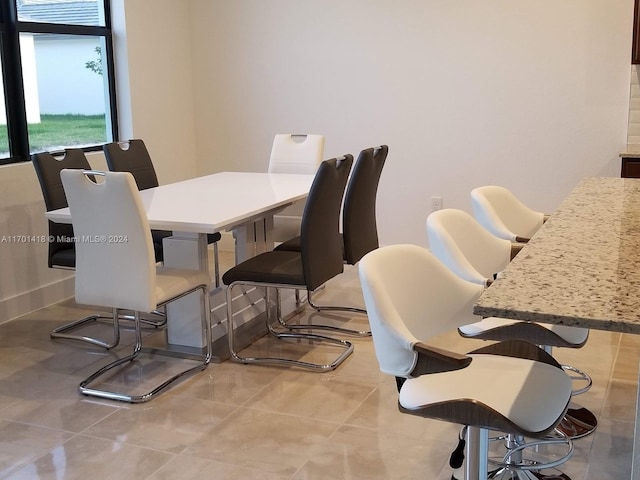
point(27, 302)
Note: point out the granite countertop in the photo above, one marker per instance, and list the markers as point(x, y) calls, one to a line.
point(582, 268)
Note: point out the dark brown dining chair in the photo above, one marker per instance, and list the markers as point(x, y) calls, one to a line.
point(319, 260)
point(62, 252)
point(359, 221)
point(359, 224)
point(132, 156)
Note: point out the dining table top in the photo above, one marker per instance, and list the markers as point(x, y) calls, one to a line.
point(216, 202)
point(582, 268)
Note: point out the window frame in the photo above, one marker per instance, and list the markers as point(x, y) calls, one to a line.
point(10, 30)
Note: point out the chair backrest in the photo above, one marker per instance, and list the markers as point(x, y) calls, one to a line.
point(320, 240)
point(411, 297)
point(464, 246)
point(499, 211)
point(296, 153)
point(132, 156)
point(359, 227)
point(48, 168)
point(115, 263)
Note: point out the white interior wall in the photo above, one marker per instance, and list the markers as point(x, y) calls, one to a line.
point(155, 102)
point(26, 283)
point(155, 83)
point(530, 95)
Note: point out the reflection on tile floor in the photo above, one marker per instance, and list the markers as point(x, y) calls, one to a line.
point(237, 421)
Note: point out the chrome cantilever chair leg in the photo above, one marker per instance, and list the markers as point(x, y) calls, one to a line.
point(85, 388)
point(63, 330)
point(161, 322)
point(328, 308)
point(346, 346)
point(331, 308)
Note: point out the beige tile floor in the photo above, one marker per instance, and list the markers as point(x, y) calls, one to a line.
point(237, 421)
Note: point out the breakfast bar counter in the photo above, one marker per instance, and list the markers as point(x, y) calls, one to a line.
point(582, 268)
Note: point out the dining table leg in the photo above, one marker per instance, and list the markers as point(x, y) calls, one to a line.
point(253, 238)
point(184, 325)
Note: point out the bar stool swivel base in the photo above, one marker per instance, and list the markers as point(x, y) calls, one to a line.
point(527, 475)
point(513, 465)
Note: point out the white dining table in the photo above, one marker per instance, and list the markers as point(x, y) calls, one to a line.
point(240, 202)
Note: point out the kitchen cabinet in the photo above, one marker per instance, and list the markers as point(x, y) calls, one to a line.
point(635, 49)
point(630, 158)
point(630, 167)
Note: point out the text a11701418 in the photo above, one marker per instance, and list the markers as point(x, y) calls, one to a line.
point(63, 239)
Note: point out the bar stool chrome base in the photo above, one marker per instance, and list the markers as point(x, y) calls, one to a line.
point(552, 474)
point(514, 466)
point(578, 421)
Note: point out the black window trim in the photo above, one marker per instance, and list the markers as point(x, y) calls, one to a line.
point(10, 29)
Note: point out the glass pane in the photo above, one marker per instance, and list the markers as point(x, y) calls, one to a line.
point(4, 134)
point(79, 12)
point(66, 91)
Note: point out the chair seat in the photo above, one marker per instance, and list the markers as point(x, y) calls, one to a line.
point(213, 237)
point(171, 282)
point(494, 328)
point(64, 258)
point(293, 245)
point(530, 393)
point(270, 267)
point(286, 226)
point(159, 235)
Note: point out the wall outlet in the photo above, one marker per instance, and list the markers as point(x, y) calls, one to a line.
point(436, 203)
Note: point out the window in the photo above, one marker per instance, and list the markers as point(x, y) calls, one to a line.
point(57, 76)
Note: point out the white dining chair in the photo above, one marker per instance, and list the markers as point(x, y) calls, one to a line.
point(293, 153)
point(412, 298)
point(504, 215)
point(477, 256)
point(116, 268)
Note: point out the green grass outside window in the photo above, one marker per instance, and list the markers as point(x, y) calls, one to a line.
point(55, 132)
